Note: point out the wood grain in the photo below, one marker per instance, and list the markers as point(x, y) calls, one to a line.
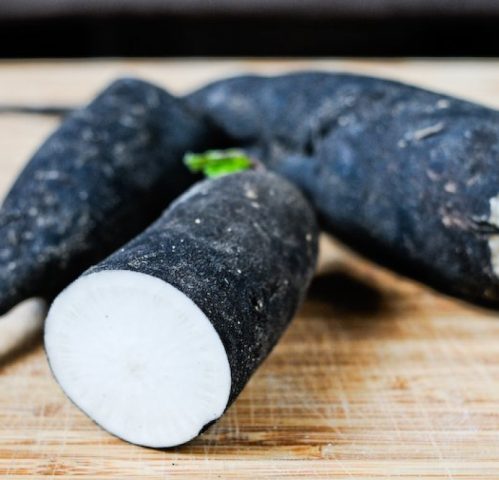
point(376, 378)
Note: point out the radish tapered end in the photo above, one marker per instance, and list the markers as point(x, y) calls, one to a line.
point(137, 356)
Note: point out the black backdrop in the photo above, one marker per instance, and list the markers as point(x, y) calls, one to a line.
point(75, 28)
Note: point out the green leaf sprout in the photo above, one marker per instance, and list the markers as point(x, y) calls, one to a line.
point(215, 163)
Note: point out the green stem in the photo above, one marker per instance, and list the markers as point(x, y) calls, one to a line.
point(215, 163)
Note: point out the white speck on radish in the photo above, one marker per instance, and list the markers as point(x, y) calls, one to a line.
point(494, 239)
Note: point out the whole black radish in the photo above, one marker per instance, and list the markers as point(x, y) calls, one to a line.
point(408, 177)
point(105, 174)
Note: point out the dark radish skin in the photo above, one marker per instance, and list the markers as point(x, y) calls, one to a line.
point(155, 342)
point(408, 177)
point(105, 174)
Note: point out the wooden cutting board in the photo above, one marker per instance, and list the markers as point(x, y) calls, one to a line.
point(377, 377)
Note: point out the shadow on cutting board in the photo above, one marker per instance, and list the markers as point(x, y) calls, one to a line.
point(347, 294)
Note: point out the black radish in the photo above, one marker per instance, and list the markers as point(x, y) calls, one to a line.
point(155, 342)
point(408, 177)
point(105, 174)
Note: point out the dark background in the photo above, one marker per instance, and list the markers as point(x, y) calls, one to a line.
point(79, 28)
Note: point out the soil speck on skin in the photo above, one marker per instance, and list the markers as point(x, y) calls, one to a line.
point(450, 187)
point(259, 305)
point(12, 237)
point(426, 132)
point(251, 194)
point(433, 176)
point(443, 103)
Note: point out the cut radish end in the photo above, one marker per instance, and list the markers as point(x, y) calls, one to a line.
point(138, 356)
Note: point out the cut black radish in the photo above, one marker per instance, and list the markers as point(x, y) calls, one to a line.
point(105, 174)
point(155, 342)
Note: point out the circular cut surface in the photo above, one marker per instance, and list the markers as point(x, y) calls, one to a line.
point(138, 357)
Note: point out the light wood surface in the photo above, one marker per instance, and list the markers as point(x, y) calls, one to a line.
point(376, 378)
